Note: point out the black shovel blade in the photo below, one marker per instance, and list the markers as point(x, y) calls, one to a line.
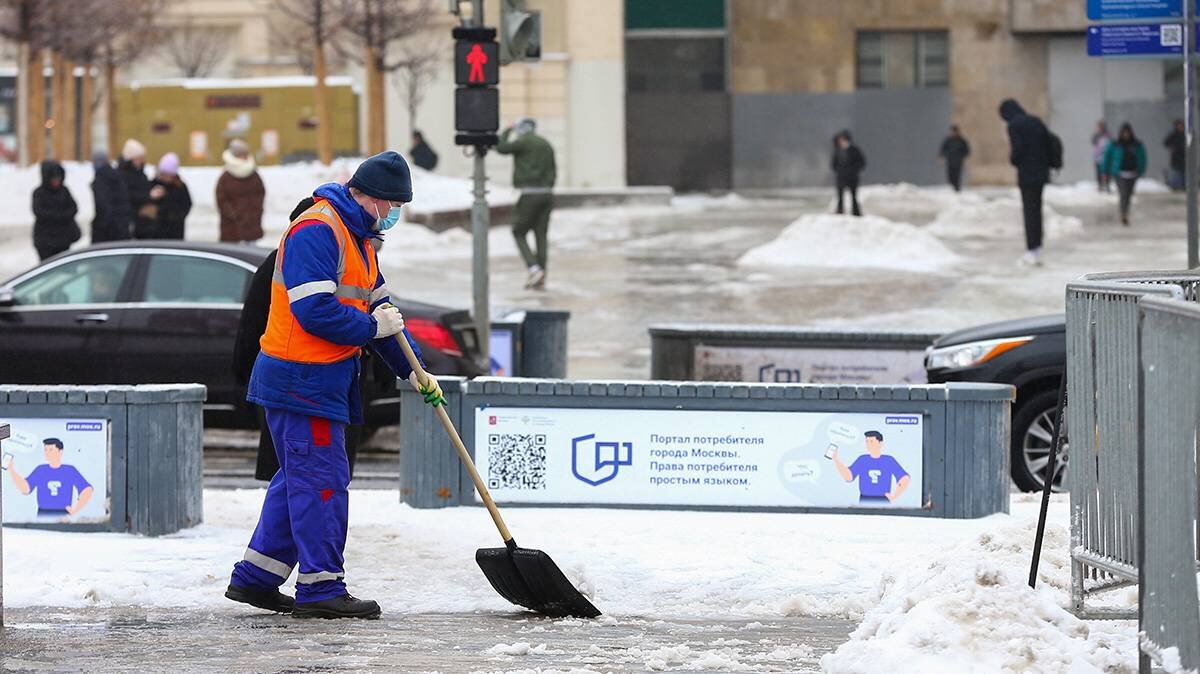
point(558, 596)
point(498, 567)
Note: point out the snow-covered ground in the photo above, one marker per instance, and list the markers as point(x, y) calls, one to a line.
point(931, 594)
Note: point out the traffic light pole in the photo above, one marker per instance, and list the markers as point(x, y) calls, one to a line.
point(480, 224)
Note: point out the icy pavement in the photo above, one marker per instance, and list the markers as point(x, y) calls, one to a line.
point(682, 591)
point(154, 641)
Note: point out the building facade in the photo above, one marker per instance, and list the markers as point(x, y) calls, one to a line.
point(897, 73)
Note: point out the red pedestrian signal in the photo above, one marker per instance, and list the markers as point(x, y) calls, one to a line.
point(476, 63)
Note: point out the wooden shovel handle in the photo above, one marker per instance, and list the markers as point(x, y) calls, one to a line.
point(463, 454)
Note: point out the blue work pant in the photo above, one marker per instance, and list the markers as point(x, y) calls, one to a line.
point(304, 515)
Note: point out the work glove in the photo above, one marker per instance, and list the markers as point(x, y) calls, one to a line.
point(388, 320)
point(430, 389)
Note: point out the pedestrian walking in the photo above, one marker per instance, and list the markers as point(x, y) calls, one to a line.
point(240, 195)
point(113, 220)
point(955, 150)
point(251, 326)
point(847, 163)
point(54, 226)
point(1030, 152)
point(1176, 144)
point(422, 154)
point(534, 174)
point(171, 195)
point(1125, 162)
point(132, 169)
point(328, 301)
point(1100, 141)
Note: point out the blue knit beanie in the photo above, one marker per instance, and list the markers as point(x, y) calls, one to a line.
point(384, 176)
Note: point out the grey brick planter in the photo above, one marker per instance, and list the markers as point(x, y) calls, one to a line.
point(965, 447)
point(155, 462)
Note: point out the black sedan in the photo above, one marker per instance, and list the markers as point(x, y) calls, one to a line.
point(139, 312)
point(1030, 354)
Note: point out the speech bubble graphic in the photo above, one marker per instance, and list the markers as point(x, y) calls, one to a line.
point(842, 434)
point(802, 471)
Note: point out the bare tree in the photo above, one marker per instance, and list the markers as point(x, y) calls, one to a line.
point(25, 23)
point(128, 29)
point(420, 61)
point(377, 26)
point(319, 22)
point(196, 50)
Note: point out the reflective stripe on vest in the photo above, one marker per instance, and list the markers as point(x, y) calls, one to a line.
point(356, 277)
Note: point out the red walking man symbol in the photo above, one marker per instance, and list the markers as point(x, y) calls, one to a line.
point(476, 58)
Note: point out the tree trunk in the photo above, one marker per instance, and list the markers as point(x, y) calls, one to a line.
point(375, 116)
point(110, 110)
point(24, 157)
point(324, 119)
point(68, 119)
point(87, 94)
point(37, 107)
point(58, 111)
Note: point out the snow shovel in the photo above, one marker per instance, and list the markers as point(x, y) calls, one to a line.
point(525, 577)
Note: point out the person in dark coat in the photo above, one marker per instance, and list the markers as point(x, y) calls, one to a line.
point(422, 155)
point(132, 168)
point(1176, 144)
point(240, 195)
point(54, 227)
point(172, 198)
point(114, 219)
point(847, 163)
point(955, 150)
point(251, 326)
point(1029, 152)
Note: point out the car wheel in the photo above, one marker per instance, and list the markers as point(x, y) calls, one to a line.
point(1033, 429)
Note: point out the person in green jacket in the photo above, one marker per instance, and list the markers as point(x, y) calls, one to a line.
point(534, 175)
point(1125, 160)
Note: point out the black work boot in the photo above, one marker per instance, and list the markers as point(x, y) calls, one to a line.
point(345, 606)
point(270, 600)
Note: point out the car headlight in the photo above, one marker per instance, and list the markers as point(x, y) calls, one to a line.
point(972, 353)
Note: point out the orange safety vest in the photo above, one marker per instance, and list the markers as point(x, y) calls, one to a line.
point(284, 338)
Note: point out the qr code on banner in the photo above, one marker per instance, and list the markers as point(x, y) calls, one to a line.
point(516, 461)
point(1171, 35)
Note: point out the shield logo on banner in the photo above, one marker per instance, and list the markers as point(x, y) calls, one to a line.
point(598, 462)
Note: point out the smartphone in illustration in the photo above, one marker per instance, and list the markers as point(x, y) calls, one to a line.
point(830, 450)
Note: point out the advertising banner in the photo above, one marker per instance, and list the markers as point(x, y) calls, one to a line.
point(783, 365)
point(55, 470)
point(700, 458)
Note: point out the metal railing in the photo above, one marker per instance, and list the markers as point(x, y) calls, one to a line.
point(1169, 373)
point(1102, 364)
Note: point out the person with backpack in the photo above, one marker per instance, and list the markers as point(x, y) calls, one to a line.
point(1125, 162)
point(1033, 151)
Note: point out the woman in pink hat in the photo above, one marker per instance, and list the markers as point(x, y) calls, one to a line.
point(172, 197)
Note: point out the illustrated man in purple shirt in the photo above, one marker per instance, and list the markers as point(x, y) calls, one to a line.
point(56, 483)
point(874, 472)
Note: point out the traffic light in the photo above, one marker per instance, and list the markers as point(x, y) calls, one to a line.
point(476, 72)
point(520, 32)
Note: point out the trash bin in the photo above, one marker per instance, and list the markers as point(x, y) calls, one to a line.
point(543, 352)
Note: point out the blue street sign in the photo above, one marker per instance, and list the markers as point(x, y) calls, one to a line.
point(1143, 39)
point(1124, 10)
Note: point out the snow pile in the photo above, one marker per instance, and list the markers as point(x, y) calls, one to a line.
point(998, 218)
point(972, 604)
point(1079, 194)
point(842, 241)
point(909, 203)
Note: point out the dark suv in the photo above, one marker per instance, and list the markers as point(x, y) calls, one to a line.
point(1030, 354)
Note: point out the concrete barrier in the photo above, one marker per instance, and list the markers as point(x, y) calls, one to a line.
point(153, 450)
point(960, 444)
point(786, 354)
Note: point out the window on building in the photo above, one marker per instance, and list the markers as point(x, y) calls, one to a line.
point(903, 59)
